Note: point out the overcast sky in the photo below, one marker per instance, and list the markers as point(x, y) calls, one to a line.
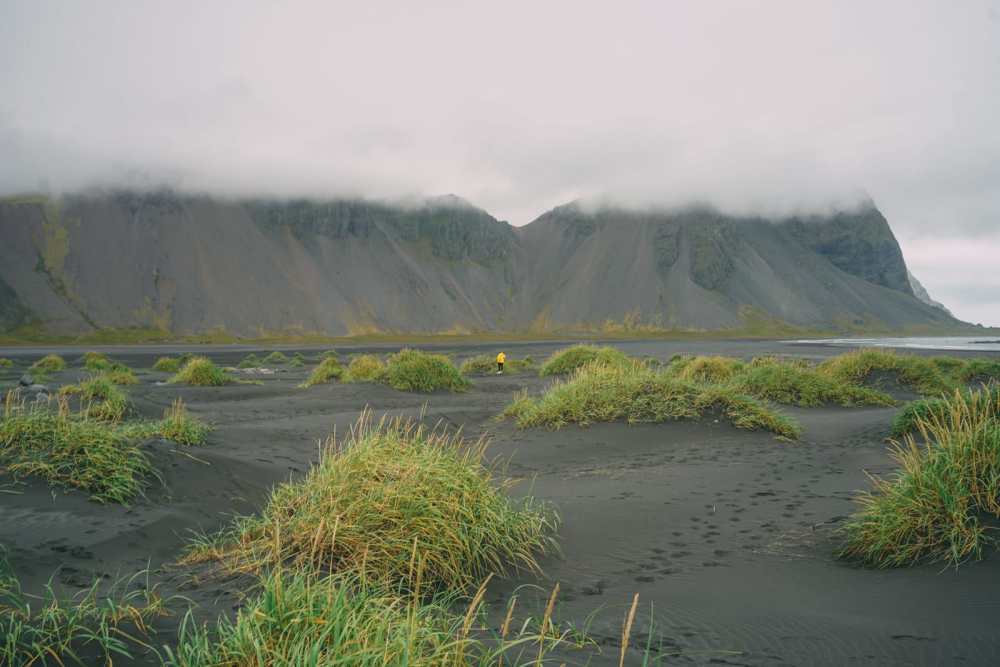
point(520, 106)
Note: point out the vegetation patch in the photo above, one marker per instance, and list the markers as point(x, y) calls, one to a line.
point(51, 363)
point(180, 427)
point(794, 384)
point(276, 358)
point(413, 370)
point(71, 450)
point(201, 372)
point(569, 359)
point(250, 361)
point(298, 360)
point(933, 508)
point(328, 369)
point(927, 410)
point(170, 364)
point(100, 398)
point(709, 370)
point(364, 368)
point(484, 364)
point(601, 392)
point(392, 502)
point(921, 373)
point(301, 618)
point(95, 624)
point(6, 363)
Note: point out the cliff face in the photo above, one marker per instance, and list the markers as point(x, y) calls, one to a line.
point(189, 264)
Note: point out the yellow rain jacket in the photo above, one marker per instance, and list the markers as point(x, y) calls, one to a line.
point(501, 358)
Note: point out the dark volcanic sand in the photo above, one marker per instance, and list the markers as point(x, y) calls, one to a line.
point(729, 535)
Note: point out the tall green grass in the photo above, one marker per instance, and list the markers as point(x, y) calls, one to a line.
point(794, 384)
point(201, 372)
point(51, 363)
point(179, 426)
point(921, 373)
point(100, 398)
point(934, 507)
point(634, 392)
point(926, 409)
point(96, 626)
point(413, 370)
point(276, 358)
point(6, 363)
point(250, 361)
point(393, 500)
point(328, 369)
point(569, 359)
point(302, 619)
point(68, 450)
point(364, 368)
point(710, 370)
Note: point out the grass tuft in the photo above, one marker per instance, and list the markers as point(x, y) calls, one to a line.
point(920, 373)
point(364, 368)
point(95, 624)
point(932, 508)
point(180, 427)
point(51, 363)
point(6, 363)
point(69, 450)
point(569, 359)
point(328, 369)
point(795, 384)
point(413, 370)
point(301, 618)
point(168, 364)
point(707, 370)
point(276, 358)
point(394, 500)
point(201, 372)
point(250, 361)
point(634, 392)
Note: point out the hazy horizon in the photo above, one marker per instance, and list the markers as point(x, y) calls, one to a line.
point(518, 108)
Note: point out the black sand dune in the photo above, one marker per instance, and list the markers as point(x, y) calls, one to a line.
point(727, 536)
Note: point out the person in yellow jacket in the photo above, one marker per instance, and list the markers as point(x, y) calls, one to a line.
point(500, 359)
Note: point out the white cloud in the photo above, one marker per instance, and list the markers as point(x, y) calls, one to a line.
point(520, 106)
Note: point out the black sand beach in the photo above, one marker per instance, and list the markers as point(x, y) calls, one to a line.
point(729, 537)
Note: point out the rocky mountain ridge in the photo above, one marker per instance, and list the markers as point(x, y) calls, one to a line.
point(187, 264)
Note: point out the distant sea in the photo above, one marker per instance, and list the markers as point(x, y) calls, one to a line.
point(989, 343)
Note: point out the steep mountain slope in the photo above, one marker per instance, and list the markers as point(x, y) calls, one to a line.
point(188, 264)
point(698, 268)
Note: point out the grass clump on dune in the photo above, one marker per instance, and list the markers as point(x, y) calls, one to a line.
point(6, 363)
point(485, 364)
point(933, 508)
point(71, 450)
point(51, 363)
point(180, 427)
point(413, 370)
point(928, 409)
point(393, 500)
point(100, 398)
point(920, 373)
point(168, 364)
point(600, 392)
point(201, 372)
point(569, 359)
point(709, 370)
point(250, 361)
point(364, 368)
point(797, 385)
point(328, 369)
point(95, 624)
point(276, 358)
point(300, 618)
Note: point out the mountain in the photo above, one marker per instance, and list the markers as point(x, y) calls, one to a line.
point(920, 292)
point(185, 264)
